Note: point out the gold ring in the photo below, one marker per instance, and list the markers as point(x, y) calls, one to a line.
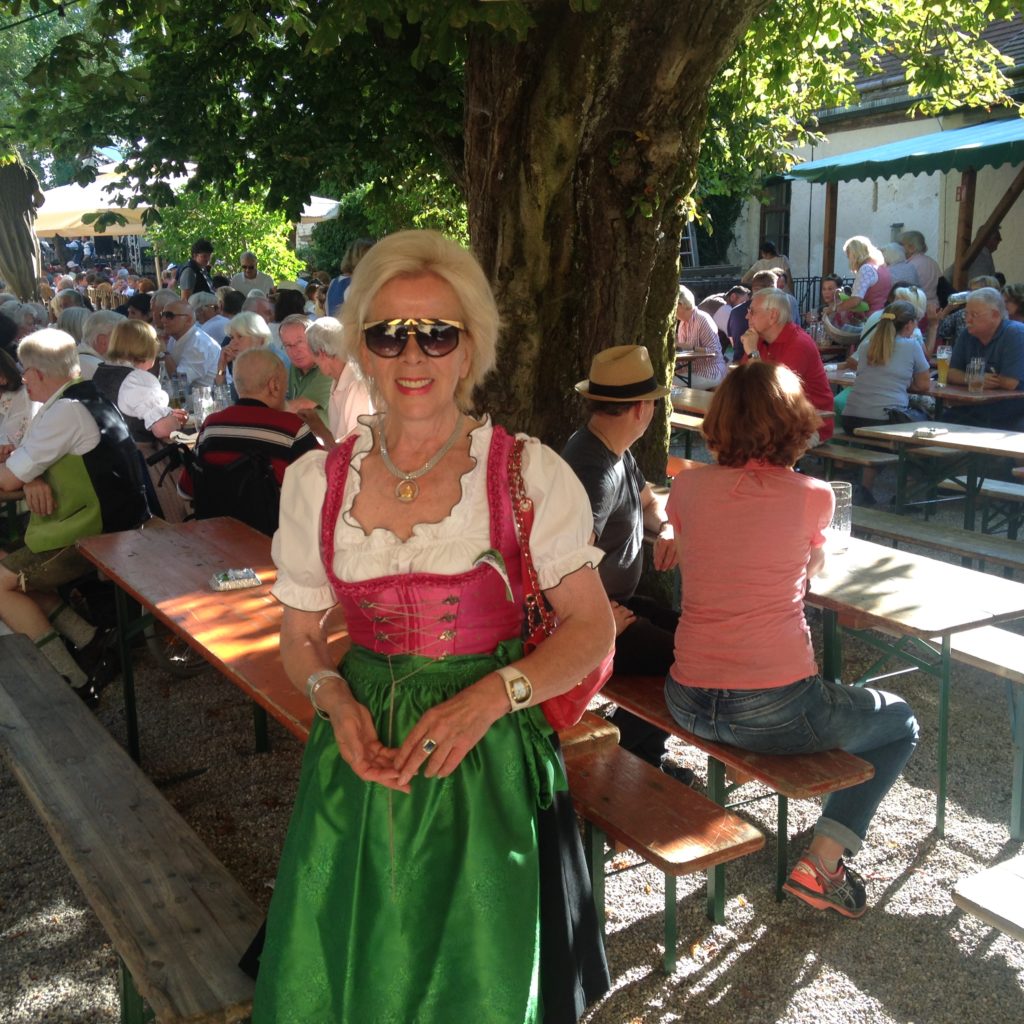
point(429, 746)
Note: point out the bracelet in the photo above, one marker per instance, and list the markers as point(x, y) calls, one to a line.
point(315, 681)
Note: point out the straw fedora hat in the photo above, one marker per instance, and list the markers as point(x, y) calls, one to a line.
point(622, 373)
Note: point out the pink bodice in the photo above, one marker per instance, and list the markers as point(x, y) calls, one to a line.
point(428, 613)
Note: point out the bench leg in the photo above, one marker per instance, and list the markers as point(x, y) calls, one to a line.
point(595, 864)
point(781, 846)
point(1015, 693)
point(133, 1007)
point(832, 639)
point(125, 621)
point(671, 930)
point(259, 721)
point(944, 687)
point(716, 875)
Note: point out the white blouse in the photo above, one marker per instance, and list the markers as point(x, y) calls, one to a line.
point(140, 395)
point(559, 541)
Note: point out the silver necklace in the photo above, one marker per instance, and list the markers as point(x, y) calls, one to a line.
point(407, 489)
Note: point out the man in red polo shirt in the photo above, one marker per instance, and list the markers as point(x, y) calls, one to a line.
point(771, 336)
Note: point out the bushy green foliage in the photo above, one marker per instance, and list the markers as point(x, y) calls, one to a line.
point(422, 200)
point(233, 226)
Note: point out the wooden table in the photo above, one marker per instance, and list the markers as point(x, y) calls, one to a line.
point(165, 571)
point(972, 442)
point(910, 599)
point(691, 400)
point(685, 359)
point(944, 394)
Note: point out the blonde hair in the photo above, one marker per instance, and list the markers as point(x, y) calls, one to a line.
point(410, 254)
point(894, 318)
point(859, 250)
point(133, 341)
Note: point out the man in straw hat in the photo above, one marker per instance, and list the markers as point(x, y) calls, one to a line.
point(620, 394)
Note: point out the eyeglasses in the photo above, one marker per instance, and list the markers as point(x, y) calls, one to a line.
point(168, 315)
point(248, 266)
point(388, 338)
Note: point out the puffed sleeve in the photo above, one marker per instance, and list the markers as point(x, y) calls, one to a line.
point(301, 579)
point(562, 520)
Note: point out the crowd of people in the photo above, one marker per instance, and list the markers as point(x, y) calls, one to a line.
point(433, 800)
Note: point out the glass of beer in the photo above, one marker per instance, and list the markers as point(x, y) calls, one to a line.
point(942, 354)
point(976, 375)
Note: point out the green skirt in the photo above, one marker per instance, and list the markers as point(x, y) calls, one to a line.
point(417, 908)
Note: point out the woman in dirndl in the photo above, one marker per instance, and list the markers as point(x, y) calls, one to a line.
point(433, 871)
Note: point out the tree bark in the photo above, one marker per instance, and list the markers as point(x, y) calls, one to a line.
point(583, 142)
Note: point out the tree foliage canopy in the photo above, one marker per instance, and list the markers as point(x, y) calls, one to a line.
point(285, 92)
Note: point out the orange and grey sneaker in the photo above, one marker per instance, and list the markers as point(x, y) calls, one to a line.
point(842, 891)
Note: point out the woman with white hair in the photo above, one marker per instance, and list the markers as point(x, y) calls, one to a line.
point(900, 269)
point(873, 280)
point(928, 271)
point(696, 329)
point(72, 321)
point(350, 398)
point(244, 331)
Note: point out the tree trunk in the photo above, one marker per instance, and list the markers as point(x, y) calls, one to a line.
point(583, 142)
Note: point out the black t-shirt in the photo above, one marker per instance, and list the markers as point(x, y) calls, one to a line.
point(613, 485)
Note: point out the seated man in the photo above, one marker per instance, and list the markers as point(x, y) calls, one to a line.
point(774, 337)
point(190, 350)
point(621, 394)
point(256, 425)
point(991, 336)
point(81, 474)
point(308, 386)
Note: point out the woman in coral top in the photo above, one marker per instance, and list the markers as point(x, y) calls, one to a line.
point(744, 670)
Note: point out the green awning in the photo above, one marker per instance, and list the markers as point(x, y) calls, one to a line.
point(979, 145)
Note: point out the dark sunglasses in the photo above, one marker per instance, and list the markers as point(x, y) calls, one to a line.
point(166, 315)
point(388, 338)
point(248, 266)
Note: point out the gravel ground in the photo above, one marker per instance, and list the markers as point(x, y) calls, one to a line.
point(913, 958)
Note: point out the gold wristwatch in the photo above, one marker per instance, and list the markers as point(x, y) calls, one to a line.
point(517, 687)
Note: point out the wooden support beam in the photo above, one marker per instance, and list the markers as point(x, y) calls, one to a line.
point(1009, 197)
point(828, 257)
point(964, 227)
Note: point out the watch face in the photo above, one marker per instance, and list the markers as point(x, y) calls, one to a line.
point(520, 690)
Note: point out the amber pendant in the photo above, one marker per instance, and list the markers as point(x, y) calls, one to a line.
point(407, 490)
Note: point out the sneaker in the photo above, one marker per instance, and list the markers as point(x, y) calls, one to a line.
point(88, 693)
point(844, 894)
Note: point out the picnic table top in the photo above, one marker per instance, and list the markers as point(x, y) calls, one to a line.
point(877, 587)
point(167, 569)
point(950, 393)
point(960, 436)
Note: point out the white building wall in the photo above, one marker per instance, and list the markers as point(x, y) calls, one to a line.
point(882, 208)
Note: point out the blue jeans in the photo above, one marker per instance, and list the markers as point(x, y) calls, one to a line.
point(802, 718)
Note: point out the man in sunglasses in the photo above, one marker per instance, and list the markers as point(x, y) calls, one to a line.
point(620, 394)
point(251, 277)
point(190, 350)
point(309, 388)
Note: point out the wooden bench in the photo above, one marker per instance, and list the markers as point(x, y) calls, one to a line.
point(668, 824)
point(177, 919)
point(995, 896)
point(790, 776)
point(830, 454)
point(1002, 502)
point(952, 540)
point(690, 425)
